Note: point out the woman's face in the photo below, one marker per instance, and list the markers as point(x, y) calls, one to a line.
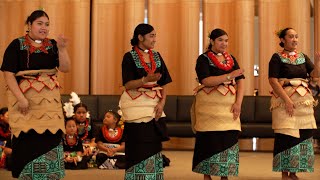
point(148, 40)
point(39, 29)
point(220, 44)
point(71, 127)
point(81, 114)
point(109, 119)
point(290, 40)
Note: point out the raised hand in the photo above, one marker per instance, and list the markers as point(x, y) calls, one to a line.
point(62, 41)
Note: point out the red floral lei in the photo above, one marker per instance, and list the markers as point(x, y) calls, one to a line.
point(291, 57)
point(106, 135)
point(224, 66)
point(32, 49)
point(67, 142)
point(144, 64)
point(86, 131)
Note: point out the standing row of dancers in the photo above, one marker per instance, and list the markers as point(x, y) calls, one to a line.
point(30, 65)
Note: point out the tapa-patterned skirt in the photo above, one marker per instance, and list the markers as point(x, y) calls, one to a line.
point(143, 151)
point(216, 153)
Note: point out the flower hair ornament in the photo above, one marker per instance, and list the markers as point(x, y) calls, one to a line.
point(74, 98)
point(121, 120)
point(278, 32)
point(69, 106)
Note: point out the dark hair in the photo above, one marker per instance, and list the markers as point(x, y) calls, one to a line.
point(215, 34)
point(78, 106)
point(115, 115)
point(3, 110)
point(35, 15)
point(69, 119)
point(282, 33)
point(141, 29)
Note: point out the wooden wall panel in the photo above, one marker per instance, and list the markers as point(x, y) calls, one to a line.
point(70, 18)
point(176, 23)
point(113, 23)
point(273, 16)
point(236, 17)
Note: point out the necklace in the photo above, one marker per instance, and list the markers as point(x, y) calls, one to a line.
point(112, 136)
point(225, 65)
point(144, 64)
point(68, 141)
point(146, 50)
point(218, 54)
point(36, 41)
point(292, 55)
point(85, 129)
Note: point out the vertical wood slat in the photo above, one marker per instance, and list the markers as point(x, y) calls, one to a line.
point(113, 23)
point(273, 16)
point(177, 40)
point(236, 17)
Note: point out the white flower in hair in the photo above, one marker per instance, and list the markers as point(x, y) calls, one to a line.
point(88, 115)
point(75, 98)
point(68, 108)
point(120, 112)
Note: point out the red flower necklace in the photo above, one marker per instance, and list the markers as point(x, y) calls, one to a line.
point(32, 49)
point(290, 56)
point(67, 141)
point(86, 131)
point(144, 64)
point(116, 136)
point(226, 65)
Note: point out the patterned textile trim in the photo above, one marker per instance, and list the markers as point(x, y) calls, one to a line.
point(224, 89)
point(151, 93)
point(312, 103)
point(298, 91)
point(225, 163)
point(300, 60)
point(137, 60)
point(38, 80)
point(46, 167)
point(23, 45)
point(209, 60)
point(149, 169)
point(299, 158)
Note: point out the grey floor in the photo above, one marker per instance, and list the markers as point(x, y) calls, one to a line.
point(253, 166)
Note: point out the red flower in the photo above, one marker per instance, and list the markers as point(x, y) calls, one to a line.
point(144, 64)
point(225, 65)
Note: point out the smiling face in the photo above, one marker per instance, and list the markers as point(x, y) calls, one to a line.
point(39, 28)
point(220, 44)
point(71, 127)
point(148, 40)
point(290, 40)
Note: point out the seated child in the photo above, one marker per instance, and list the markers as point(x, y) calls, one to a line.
point(79, 112)
point(110, 143)
point(6, 156)
point(5, 134)
point(73, 149)
point(84, 129)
